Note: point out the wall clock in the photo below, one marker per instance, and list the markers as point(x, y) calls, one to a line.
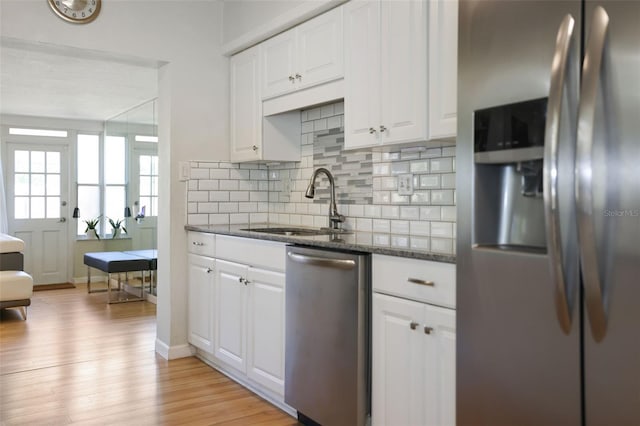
point(76, 11)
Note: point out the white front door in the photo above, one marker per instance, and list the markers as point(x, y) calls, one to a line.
point(37, 201)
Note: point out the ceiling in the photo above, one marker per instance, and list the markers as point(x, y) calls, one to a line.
point(56, 81)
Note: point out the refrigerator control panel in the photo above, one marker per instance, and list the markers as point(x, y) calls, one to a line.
point(512, 126)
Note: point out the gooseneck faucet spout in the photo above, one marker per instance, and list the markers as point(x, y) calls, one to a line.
point(335, 218)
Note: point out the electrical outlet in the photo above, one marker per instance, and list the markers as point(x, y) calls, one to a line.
point(183, 171)
point(405, 184)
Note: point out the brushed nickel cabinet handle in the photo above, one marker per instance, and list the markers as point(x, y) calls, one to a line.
point(428, 330)
point(371, 130)
point(413, 325)
point(298, 76)
point(382, 128)
point(291, 78)
point(196, 243)
point(209, 270)
point(421, 282)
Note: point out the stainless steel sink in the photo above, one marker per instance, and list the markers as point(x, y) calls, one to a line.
point(294, 231)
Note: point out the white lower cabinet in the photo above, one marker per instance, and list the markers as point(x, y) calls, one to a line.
point(200, 300)
point(413, 363)
point(413, 356)
point(249, 322)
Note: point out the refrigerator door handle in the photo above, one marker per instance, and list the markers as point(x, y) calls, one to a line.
point(562, 74)
point(592, 74)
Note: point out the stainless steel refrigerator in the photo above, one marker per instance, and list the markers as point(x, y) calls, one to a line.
point(548, 192)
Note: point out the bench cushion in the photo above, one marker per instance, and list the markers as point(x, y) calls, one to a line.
point(9, 244)
point(15, 285)
point(151, 255)
point(116, 261)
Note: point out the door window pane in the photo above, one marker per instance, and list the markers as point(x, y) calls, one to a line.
point(114, 160)
point(145, 165)
point(21, 184)
point(145, 185)
point(154, 206)
point(154, 165)
point(37, 208)
point(21, 207)
point(53, 184)
point(53, 162)
point(53, 207)
point(37, 162)
point(37, 184)
point(88, 159)
point(21, 163)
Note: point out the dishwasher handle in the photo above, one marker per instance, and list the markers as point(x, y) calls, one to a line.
point(322, 261)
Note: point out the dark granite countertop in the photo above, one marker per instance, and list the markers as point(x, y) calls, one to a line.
point(356, 241)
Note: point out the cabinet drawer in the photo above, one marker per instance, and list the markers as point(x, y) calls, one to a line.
point(412, 279)
point(201, 243)
point(248, 251)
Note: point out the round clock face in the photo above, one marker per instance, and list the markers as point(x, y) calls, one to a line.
point(76, 11)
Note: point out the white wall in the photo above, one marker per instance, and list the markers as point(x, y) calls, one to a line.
point(193, 108)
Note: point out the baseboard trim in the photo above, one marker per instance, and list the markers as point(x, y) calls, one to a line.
point(174, 352)
point(43, 287)
point(83, 280)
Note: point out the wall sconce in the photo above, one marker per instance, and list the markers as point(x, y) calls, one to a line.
point(76, 213)
point(127, 211)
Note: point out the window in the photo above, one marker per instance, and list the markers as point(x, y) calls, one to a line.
point(149, 184)
point(102, 186)
point(36, 184)
point(38, 132)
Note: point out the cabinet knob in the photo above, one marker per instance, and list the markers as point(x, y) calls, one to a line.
point(428, 330)
point(413, 325)
point(241, 280)
point(291, 78)
point(209, 270)
point(254, 148)
point(371, 130)
point(382, 128)
point(298, 76)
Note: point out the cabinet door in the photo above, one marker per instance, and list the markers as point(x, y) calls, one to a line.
point(200, 300)
point(398, 362)
point(245, 106)
point(439, 402)
point(278, 69)
point(230, 313)
point(265, 333)
point(361, 73)
point(320, 49)
point(403, 79)
point(443, 68)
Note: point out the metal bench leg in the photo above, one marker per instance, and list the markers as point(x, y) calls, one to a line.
point(88, 279)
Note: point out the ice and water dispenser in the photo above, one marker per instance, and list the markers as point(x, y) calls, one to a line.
point(508, 199)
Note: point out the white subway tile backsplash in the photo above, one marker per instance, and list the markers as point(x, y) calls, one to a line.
point(199, 174)
point(442, 229)
point(219, 174)
point(207, 208)
point(417, 227)
point(442, 197)
point(400, 227)
point(442, 245)
point(207, 185)
point(419, 166)
point(429, 181)
point(430, 213)
point(222, 192)
point(419, 243)
point(410, 213)
point(441, 165)
point(400, 167)
point(391, 212)
point(197, 196)
point(218, 196)
point(229, 185)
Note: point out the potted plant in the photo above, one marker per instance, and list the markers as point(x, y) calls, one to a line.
point(116, 226)
point(91, 231)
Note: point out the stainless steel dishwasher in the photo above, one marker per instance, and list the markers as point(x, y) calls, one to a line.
point(327, 358)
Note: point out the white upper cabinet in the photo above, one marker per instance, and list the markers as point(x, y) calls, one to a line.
point(400, 71)
point(307, 55)
point(245, 106)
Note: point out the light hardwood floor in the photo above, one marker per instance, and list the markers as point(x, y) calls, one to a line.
point(77, 360)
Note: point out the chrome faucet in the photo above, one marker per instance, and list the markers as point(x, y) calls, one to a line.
point(335, 218)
